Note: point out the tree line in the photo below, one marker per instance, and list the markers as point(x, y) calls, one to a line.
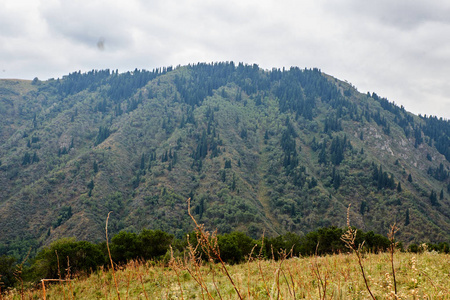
point(68, 257)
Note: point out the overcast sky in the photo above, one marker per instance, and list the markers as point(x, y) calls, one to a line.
point(399, 49)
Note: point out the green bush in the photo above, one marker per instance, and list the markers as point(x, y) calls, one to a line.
point(124, 246)
point(67, 257)
point(153, 243)
point(7, 268)
point(235, 246)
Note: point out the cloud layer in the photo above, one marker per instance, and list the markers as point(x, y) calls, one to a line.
point(397, 49)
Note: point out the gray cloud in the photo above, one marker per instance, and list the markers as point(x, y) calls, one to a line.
point(397, 49)
point(84, 22)
point(403, 14)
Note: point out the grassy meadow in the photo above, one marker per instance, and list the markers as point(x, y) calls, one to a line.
point(423, 275)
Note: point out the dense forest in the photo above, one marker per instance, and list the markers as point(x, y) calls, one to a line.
point(257, 151)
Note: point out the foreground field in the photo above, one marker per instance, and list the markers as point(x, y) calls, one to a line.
point(418, 276)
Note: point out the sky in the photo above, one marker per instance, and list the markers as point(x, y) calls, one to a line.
point(398, 49)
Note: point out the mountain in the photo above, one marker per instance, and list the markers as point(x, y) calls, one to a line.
point(259, 151)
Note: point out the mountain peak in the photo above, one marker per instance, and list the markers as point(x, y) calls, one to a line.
point(255, 150)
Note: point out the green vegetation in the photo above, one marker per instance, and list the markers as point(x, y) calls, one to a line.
point(267, 267)
point(67, 257)
point(257, 151)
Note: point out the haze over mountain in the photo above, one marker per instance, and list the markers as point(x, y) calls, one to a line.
point(256, 151)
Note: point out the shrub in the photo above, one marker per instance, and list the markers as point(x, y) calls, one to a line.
point(81, 257)
point(153, 243)
point(7, 268)
point(124, 246)
point(235, 246)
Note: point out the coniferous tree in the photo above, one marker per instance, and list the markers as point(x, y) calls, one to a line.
point(174, 157)
point(243, 133)
point(337, 148)
point(399, 187)
point(35, 158)
point(142, 165)
point(233, 184)
point(26, 159)
point(312, 183)
point(433, 198)
point(223, 175)
point(407, 217)
point(363, 208)
point(382, 179)
point(336, 179)
point(90, 186)
point(103, 134)
point(227, 164)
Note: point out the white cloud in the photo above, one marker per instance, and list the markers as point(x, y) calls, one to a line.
point(397, 49)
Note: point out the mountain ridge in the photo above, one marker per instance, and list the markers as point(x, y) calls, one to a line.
point(289, 149)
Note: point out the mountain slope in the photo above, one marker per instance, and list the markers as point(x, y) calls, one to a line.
point(255, 150)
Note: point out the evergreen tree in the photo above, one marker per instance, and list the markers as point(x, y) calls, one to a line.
point(336, 179)
point(202, 147)
point(26, 159)
point(433, 198)
point(142, 165)
point(399, 187)
point(233, 184)
point(35, 158)
point(407, 217)
point(103, 134)
point(91, 184)
point(223, 175)
point(227, 164)
point(363, 208)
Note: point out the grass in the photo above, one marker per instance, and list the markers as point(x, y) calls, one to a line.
point(353, 275)
point(418, 276)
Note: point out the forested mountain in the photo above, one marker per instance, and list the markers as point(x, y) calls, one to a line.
point(257, 151)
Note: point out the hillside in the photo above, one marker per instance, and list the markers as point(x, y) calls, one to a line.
point(256, 151)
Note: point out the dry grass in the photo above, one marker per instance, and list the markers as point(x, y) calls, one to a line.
point(353, 275)
point(418, 276)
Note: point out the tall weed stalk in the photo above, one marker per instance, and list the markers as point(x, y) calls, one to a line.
point(349, 238)
point(110, 258)
point(209, 243)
